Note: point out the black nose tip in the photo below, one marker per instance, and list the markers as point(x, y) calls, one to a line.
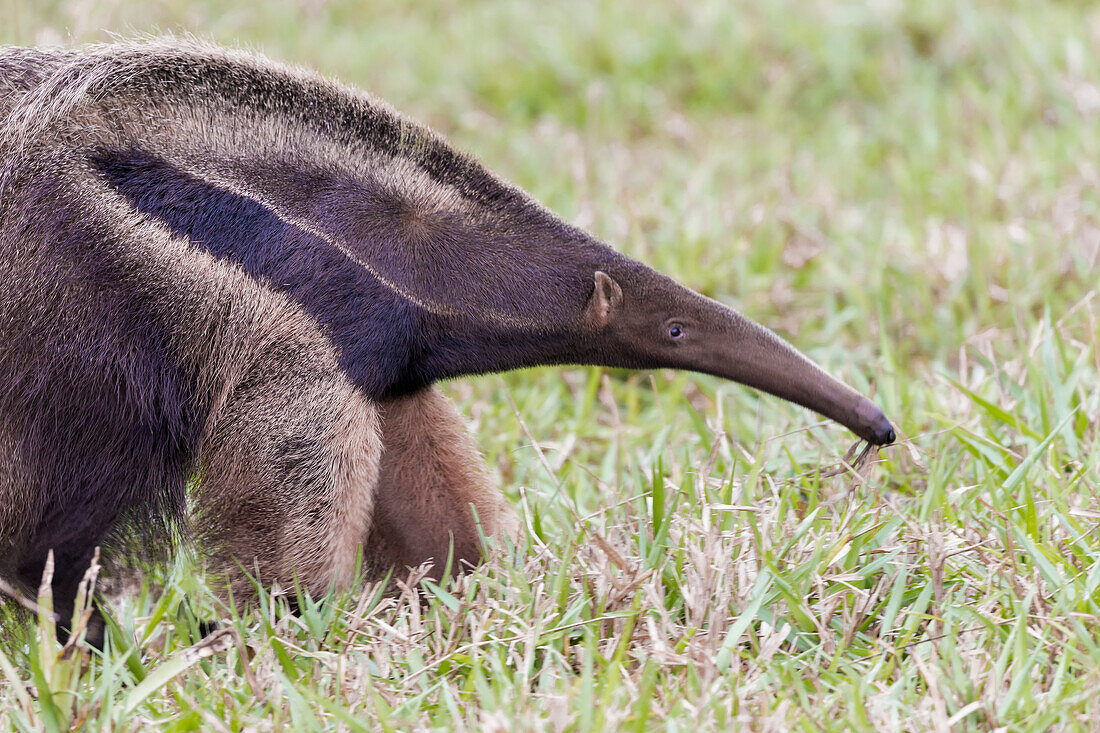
point(875, 427)
point(882, 431)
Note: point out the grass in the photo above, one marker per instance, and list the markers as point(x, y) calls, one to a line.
point(908, 191)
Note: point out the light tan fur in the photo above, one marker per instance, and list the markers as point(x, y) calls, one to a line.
point(288, 481)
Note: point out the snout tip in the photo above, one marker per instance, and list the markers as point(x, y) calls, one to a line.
point(885, 434)
point(876, 427)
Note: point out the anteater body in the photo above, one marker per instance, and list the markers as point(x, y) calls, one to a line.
point(225, 273)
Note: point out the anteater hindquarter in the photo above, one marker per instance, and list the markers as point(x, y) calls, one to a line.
point(134, 360)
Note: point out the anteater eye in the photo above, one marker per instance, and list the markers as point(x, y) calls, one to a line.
point(675, 331)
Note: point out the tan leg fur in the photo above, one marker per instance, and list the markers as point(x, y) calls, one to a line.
point(287, 486)
point(431, 482)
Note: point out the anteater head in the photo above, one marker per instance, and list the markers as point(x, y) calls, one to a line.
point(638, 318)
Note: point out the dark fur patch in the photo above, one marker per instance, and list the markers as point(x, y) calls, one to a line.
point(367, 322)
point(105, 417)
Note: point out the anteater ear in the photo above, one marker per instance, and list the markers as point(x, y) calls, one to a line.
point(605, 299)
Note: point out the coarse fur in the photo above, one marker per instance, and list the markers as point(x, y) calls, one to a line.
point(224, 271)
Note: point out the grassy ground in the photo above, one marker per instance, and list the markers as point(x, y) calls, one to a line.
point(909, 191)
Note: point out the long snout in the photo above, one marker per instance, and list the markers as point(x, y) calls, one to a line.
point(751, 354)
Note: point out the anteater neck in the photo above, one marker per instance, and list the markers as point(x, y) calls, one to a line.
point(450, 348)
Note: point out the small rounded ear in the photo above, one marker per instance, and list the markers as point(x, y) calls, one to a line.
point(605, 300)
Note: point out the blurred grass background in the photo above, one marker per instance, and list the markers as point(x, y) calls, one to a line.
point(909, 193)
